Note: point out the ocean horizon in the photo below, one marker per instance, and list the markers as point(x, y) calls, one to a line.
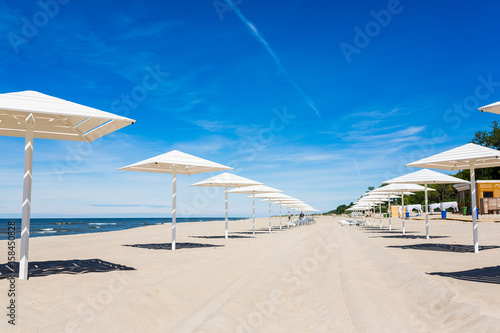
point(42, 227)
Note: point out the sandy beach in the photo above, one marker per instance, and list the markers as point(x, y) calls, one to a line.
point(321, 277)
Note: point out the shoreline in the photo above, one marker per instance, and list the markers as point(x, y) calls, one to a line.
point(47, 227)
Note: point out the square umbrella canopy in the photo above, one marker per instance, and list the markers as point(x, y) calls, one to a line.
point(284, 199)
point(304, 207)
point(295, 203)
point(361, 207)
point(277, 201)
point(278, 197)
point(275, 196)
point(469, 156)
point(290, 203)
point(253, 190)
point(175, 162)
point(426, 177)
point(226, 180)
point(401, 189)
point(378, 198)
point(268, 196)
point(372, 199)
point(31, 115)
point(27, 113)
point(300, 207)
point(493, 108)
point(367, 205)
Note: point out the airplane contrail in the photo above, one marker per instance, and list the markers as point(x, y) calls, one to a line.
point(264, 43)
point(357, 168)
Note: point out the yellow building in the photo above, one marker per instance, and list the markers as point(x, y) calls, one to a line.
point(394, 210)
point(485, 189)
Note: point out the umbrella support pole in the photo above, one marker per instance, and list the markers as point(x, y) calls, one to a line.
point(374, 211)
point(287, 216)
point(426, 214)
point(253, 218)
point(174, 202)
point(474, 208)
point(269, 215)
point(390, 223)
point(26, 208)
point(280, 215)
point(226, 211)
point(380, 213)
point(403, 210)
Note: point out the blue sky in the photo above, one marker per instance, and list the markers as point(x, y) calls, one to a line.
point(320, 99)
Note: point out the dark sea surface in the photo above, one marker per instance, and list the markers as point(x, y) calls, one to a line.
point(71, 226)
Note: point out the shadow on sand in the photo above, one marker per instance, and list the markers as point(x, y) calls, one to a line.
point(444, 247)
point(168, 246)
point(249, 232)
point(409, 237)
point(376, 230)
point(266, 230)
point(75, 266)
point(483, 275)
point(222, 237)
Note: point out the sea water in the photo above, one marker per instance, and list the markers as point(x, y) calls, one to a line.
point(70, 226)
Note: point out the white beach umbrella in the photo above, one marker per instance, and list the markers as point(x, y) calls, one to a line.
point(227, 180)
point(292, 199)
point(270, 214)
point(469, 156)
point(359, 208)
point(306, 207)
point(302, 206)
point(269, 201)
point(400, 189)
point(379, 198)
point(253, 190)
point(291, 204)
point(295, 206)
point(299, 206)
point(426, 177)
point(282, 199)
point(364, 206)
point(493, 108)
point(274, 196)
point(278, 197)
point(289, 201)
point(374, 199)
point(175, 162)
point(31, 115)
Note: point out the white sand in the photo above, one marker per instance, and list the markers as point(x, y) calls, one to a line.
point(317, 278)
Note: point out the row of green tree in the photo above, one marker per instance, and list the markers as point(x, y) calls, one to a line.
point(446, 192)
point(339, 210)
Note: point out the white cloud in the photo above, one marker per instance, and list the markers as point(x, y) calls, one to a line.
point(212, 125)
point(379, 115)
point(382, 134)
